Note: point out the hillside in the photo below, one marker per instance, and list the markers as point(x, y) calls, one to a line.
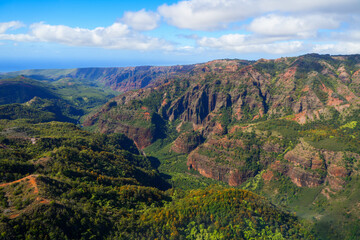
point(225, 98)
point(59, 181)
point(41, 101)
point(288, 126)
point(20, 90)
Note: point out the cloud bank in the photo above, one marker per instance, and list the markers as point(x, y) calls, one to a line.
point(214, 14)
point(116, 36)
point(276, 27)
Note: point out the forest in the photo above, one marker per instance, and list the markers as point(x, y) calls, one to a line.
point(60, 182)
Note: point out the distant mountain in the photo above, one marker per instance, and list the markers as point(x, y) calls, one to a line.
point(62, 100)
point(278, 127)
point(223, 93)
point(121, 79)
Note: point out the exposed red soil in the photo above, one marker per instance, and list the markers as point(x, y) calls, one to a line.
point(33, 184)
point(268, 175)
point(14, 216)
point(31, 180)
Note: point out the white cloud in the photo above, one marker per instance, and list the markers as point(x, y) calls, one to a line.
point(249, 44)
point(116, 36)
point(272, 26)
point(347, 42)
point(5, 26)
point(276, 27)
point(206, 14)
point(215, 14)
point(306, 6)
point(99, 36)
point(141, 20)
point(18, 37)
point(225, 41)
point(338, 48)
point(294, 27)
point(347, 36)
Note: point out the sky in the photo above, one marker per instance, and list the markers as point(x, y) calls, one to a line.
point(40, 34)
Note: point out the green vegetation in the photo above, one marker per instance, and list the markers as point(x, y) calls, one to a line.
point(44, 101)
point(86, 176)
point(211, 214)
point(85, 96)
point(16, 111)
point(270, 67)
point(77, 185)
point(173, 165)
point(20, 90)
point(238, 122)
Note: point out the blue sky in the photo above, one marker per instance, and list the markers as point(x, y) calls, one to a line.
point(69, 34)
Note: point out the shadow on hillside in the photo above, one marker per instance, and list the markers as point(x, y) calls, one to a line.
point(155, 163)
point(163, 185)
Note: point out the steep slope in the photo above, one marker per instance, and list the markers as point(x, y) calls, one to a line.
point(224, 92)
point(286, 128)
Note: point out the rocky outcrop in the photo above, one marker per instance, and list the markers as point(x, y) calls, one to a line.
point(270, 146)
point(142, 137)
point(210, 169)
point(203, 94)
point(303, 178)
point(310, 167)
point(305, 156)
point(336, 177)
point(187, 142)
point(219, 97)
point(219, 159)
point(299, 176)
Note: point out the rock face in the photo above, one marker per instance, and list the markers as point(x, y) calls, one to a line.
point(310, 167)
point(210, 169)
point(303, 178)
point(222, 99)
point(244, 91)
point(305, 156)
point(142, 137)
point(187, 142)
point(224, 159)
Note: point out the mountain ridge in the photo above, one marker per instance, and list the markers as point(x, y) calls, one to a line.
point(117, 78)
point(224, 101)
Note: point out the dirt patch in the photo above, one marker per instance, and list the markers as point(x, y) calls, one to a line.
point(14, 216)
point(32, 181)
point(43, 200)
point(268, 175)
